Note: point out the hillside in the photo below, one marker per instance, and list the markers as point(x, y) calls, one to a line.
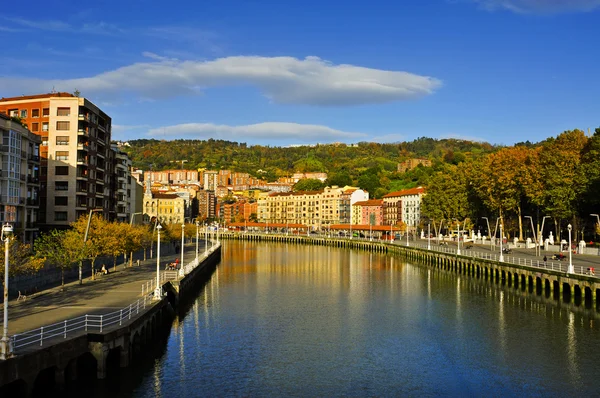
point(370, 165)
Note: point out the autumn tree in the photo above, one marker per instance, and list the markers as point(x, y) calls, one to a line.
point(20, 259)
point(96, 243)
point(62, 249)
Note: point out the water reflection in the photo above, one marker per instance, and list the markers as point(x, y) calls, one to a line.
point(320, 321)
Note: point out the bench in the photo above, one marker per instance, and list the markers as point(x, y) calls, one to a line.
point(21, 296)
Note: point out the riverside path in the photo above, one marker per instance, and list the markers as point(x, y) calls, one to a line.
point(104, 294)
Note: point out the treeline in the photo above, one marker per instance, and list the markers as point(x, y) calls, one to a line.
point(372, 166)
point(65, 249)
point(558, 178)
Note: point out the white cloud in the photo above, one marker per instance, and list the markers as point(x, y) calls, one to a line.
point(540, 6)
point(282, 79)
point(280, 131)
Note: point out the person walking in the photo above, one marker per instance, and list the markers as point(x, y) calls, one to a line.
point(545, 259)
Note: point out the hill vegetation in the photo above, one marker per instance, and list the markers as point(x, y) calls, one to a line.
point(371, 166)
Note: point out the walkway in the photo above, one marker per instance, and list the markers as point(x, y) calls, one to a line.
point(105, 294)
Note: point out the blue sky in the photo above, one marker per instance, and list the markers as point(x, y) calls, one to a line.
point(292, 72)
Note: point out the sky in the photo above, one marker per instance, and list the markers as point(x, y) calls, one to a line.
point(294, 72)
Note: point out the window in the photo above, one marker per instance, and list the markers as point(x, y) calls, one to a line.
point(63, 125)
point(62, 155)
point(35, 113)
point(63, 112)
point(61, 200)
point(35, 127)
point(62, 140)
point(46, 112)
point(23, 113)
point(61, 170)
point(45, 126)
point(61, 186)
point(60, 216)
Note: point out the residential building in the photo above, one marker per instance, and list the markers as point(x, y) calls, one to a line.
point(207, 204)
point(125, 190)
point(403, 206)
point(371, 211)
point(76, 158)
point(169, 208)
point(313, 208)
point(19, 178)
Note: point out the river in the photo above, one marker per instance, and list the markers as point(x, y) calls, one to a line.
point(287, 320)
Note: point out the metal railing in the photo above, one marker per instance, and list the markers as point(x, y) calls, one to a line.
point(99, 322)
point(71, 327)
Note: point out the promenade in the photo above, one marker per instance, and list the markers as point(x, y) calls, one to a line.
point(118, 289)
point(105, 294)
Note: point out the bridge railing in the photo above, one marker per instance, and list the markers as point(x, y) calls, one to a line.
point(82, 324)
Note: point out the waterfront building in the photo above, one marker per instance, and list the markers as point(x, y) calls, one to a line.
point(316, 209)
point(403, 206)
point(207, 204)
point(76, 171)
point(371, 211)
point(19, 178)
point(169, 208)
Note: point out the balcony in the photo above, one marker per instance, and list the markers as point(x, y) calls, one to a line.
point(33, 180)
point(84, 132)
point(84, 117)
point(33, 201)
point(83, 147)
point(81, 203)
point(34, 158)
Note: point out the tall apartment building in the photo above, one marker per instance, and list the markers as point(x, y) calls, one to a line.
point(125, 188)
point(76, 172)
point(412, 163)
point(207, 204)
point(19, 178)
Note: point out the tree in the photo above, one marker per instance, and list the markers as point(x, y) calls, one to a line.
point(341, 179)
point(20, 259)
point(95, 246)
point(116, 236)
point(308, 184)
point(447, 196)
point(62, 249)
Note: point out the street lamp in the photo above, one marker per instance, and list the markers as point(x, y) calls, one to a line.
point(205, 239)
point(407, 244)
point(133, 214)
point(570, 270)
point(158, 290)
point(501, 258)
point(197, 230)
point(182, 241)
point(489, 232)
point(87, 230)
point(541, 237)
point(458, 243)
point(429, 236)
point(535, 240)
point(5, 344)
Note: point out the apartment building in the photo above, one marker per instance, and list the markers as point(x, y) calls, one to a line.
point(125, 186)
point(77, 163)
point(167, 177)
point(316, 209)
point(168, 208)
point(207, 204)
point(371, 211)
point(19, 178)
point(237, 212)
point(403, 206)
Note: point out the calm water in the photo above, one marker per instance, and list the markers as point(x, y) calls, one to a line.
point(284, 320)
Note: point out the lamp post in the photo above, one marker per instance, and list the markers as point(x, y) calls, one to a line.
point(87, 230)
point(501, 258)
point(182, 241)
point(132, 215)
point(197, 231)
point(205, 239)
point(541, 236)
point(570, 270)
point(458, 243)
point(534, 236)
point(489, 232)
point(407, 244)
point(429, 236)
point(5, 344)
point(158, 290)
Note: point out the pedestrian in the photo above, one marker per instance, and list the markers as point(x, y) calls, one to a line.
point(138, 262)
point(545, 259)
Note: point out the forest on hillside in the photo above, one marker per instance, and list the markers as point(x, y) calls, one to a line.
point(372, 166)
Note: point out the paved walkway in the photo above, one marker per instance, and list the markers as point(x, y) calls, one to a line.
point(105, 294)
